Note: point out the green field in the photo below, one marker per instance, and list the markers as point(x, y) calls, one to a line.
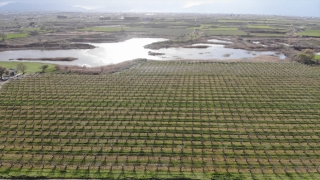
point(317, 57)
point(160, 31)
point(310, 33)
point(31, 29)
point(224, 29)
point(233, 21)
point(102, 29)
point(164, 120)
point(13, 36)
point(259, 27)
point(32, 67)
point(267, 35)
point(225, 32)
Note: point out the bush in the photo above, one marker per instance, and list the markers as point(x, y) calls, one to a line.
point(306, 56)
point(34, 33)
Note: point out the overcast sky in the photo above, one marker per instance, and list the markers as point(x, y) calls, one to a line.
point(277, 7)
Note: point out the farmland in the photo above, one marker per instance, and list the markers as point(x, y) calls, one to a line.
point(164, 120)
point(102, 29)
point(39, 30)
point(315, 33)
point(13, 36)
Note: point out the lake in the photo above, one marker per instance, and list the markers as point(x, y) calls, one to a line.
point(112, 53)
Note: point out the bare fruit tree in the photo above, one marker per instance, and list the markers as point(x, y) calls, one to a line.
point(21, 67)
point(44, 67)
point(3, 36)
point(2, 71)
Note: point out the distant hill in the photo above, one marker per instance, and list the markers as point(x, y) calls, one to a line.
point(25, 7)
point(294, 8)
point(284, 7)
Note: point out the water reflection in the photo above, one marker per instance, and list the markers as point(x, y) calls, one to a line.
point(112, 53)
point(219, 41)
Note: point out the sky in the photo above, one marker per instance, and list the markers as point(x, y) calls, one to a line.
point(270, 7)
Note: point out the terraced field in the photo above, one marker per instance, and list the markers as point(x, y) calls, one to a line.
point(165, 120)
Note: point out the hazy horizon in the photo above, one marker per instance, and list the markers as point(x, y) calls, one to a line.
point(267, 7)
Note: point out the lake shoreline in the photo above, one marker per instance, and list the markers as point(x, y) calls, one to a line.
point(47, 59)
point(113, 53)
point(45, 46)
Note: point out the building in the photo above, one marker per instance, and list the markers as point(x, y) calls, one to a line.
point(12, 72)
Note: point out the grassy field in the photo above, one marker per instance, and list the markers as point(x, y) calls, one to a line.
point(13, 36)
point(259, 27)
point(32, 67)
point(317, 57)
point(160, 31)
point(164, 120)
point(310, 33)
point(233, 21)
point(267, 35)
point(225, 32)
point(102, 29)
point(224, 29)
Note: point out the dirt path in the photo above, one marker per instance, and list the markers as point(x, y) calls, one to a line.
point(11, 79)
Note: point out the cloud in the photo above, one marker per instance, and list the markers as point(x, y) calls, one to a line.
point(193, 3)
point(4, 3)
point(201, 2)
point(87, 7)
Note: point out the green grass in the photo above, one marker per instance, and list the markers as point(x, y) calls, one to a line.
point(259, 27)
point(310, 33)
point(13, 36)
point(267, 34)
point(317, 57)
point(160, 31)
point(102, 29)
point(32, 67)
point(27, 30)
point(223, 29)
point(225, 32)
point(232, 21)
point(31, 29)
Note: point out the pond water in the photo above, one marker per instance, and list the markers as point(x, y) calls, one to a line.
point(214, 51)
point(257, 42)
point(112, 53)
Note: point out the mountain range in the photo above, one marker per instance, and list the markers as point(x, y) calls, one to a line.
point(26, 7)
point(279, 7)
